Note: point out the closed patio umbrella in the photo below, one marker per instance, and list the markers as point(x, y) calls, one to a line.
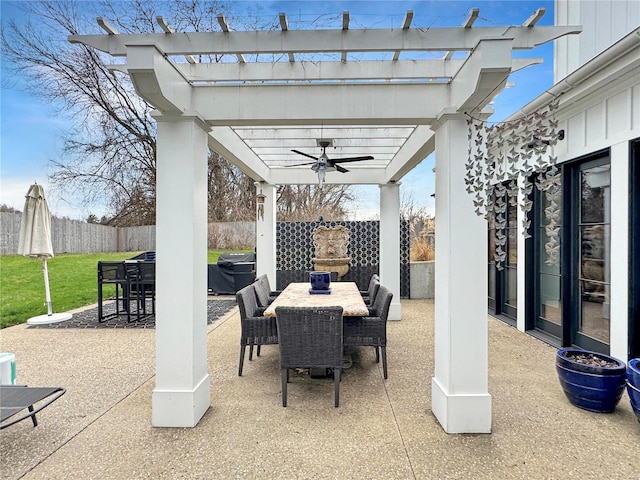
point(35, 241)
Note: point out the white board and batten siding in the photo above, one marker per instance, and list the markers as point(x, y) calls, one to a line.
point(604, 22)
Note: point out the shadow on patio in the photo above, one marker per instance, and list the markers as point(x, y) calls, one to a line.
point(383, 429)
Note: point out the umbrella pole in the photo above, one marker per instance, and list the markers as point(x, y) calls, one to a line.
point(46, 286)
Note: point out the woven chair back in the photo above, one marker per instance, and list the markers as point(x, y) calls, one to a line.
point(310, 337)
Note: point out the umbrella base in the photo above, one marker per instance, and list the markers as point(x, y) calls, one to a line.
point(53, 318)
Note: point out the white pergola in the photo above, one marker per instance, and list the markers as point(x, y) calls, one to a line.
point(368, 91)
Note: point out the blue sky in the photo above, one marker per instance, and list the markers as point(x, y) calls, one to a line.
point(30, 130)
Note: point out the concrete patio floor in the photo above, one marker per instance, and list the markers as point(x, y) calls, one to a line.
point(101, 428)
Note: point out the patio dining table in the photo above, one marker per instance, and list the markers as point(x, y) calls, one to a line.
point(343, 294)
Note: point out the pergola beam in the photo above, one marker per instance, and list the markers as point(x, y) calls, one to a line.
point(158, 81)
point(164, 25)
point(533, 19)
point(484, 73)
point(318, 41)
point(284, 26)
point(419, 145)
point(408, 18)
point(468, 23)
point(345, 26)
point(359, 104)
point(106, 26)
point(225, 28)
point(306, 71)
point(227, 143)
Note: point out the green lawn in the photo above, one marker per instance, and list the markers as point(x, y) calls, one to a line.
point(72, 278)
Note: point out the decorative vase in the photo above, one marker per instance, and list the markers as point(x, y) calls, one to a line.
point(633, 385)
point(320, 281)
point(591, 380)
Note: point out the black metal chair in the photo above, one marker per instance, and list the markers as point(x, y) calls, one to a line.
point(372, 330)
point(310, 337)
point(143, 283)
point(114, 273)
point(256, 329)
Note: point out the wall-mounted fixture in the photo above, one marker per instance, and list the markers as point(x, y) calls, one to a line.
point(260, 199)
point(537, 141)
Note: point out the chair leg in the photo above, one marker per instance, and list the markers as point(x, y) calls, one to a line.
point(33, 417)
point(250, 352)
point(241, 363)
point(384, 362)
point(99, 302)
point(126, 300)
point(258, 351)
point(336, 386)
point(377, 354)
point(284, 374)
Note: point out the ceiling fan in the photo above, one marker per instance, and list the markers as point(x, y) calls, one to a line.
point(324, 164)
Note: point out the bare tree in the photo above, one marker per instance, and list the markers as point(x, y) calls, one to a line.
point(422, 229)
point(297, 203)
point(109, 154)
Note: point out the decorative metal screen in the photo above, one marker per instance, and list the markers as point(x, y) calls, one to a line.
point(295, 250)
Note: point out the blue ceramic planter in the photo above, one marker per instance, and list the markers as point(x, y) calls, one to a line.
point(591, 387)
point(633, 372)
point(633, 385)
point(320, 281)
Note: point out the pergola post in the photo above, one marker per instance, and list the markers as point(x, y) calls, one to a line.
point(460, 398)
point(266, 234)
point(390, 244)
point(182, 391)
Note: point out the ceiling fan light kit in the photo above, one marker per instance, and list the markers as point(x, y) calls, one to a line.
point(324, 164)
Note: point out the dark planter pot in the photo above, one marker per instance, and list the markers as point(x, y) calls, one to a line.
point(633, 385)
point(633, 372)
point(320, 281)
point(591, 387)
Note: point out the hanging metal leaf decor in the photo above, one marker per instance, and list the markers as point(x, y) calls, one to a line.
point(502, 161)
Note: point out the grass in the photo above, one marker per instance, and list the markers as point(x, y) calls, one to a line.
point(72, 278)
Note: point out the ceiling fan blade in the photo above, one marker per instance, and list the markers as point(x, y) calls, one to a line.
point(351, 159)
point(301, 164)
point(341, 169)
point(304, 154)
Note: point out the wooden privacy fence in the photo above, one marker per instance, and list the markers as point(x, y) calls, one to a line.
point(73, 236)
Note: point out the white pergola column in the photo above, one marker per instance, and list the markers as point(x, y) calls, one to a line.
point(390, 244)
point(266, 234)
point(460, 398)
point(521, 273)
point(619, 251)
point(182, 392)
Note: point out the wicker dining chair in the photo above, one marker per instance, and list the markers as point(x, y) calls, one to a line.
point(371, 331)
point(265, 296)
point(369, 295)
point(256, 329)
point(310, 337)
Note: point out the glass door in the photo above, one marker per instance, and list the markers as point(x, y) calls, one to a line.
point(591, 251)
point(548, 274)
point(491, 264)
point(509, 285)
point(634, 250)
point(503, 291)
